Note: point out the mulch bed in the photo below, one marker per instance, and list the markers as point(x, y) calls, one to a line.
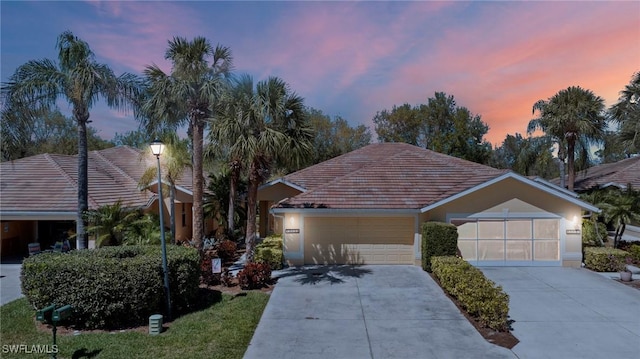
point(503, 339)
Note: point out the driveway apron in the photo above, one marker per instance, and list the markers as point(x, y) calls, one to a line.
point(570, 313)
point(364, 312)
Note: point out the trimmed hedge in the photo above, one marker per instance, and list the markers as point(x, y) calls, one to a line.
point(479, 296)
point(634, 252)
point(438, 239)
point(270, 252)
point(112, 287)
point(601, 259)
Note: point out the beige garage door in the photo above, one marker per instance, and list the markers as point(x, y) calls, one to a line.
point(358, 240)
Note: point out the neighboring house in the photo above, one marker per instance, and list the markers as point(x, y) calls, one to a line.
point(38, 194)
point(618, 174)
point(368, 206)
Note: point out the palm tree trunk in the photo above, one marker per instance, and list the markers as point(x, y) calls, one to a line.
point(83, 182)
point(172, 219)
point(571, 144)
point(198, 181)
point(252, 198)
point(235, 169)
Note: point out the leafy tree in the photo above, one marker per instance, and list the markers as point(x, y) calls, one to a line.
point(626, 113)
point(137, 139)
point(619, 207)
point(174, 160)
point(273, 130)
point(574, 119)
point(110, 222)
point(440, 125)
point(81, 81)
point(187, 95)
point(28, 132)
point(531, 156)
point(334, 137)
point(613, 148)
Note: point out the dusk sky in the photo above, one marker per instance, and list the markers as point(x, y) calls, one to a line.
point(353, 59)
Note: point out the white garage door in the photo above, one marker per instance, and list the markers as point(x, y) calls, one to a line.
point(526, 241)
point(358, 240)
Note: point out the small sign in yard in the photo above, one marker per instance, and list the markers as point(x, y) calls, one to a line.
point(216, 265)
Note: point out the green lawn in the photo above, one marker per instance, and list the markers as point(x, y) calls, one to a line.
point(221, 330)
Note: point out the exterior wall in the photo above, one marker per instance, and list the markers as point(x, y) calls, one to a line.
point(363, 238)
point(497, 197)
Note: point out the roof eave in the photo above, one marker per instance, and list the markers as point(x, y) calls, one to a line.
point(284, 182)
point(552, 190)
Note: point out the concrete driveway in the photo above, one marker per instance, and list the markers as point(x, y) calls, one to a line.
point(10, 289)
point(570, 313)
point(364, 312)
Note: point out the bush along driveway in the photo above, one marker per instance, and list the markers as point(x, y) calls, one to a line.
point(570, 313)
point(364, 312)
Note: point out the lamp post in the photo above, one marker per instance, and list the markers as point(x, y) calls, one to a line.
point(156, 148)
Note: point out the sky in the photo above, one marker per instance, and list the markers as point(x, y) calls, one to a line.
point(353, 59)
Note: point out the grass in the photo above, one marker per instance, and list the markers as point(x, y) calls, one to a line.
point(222, 329)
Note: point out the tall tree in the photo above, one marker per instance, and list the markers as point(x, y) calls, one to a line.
point(334, 137)
point(626, 113)
point(529, 156)
point(187, 95)
point(175, 159)
point(574, 119)
point(82, 81)
point(273, 130)
point(620, 207)
point(440, 125)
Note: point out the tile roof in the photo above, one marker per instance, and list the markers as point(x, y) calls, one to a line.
point(386, 176)
point(618, 174)
point(48, 182)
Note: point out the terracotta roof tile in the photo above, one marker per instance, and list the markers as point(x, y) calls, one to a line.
point(618, 174)
point(386, 176)
point(48, 182)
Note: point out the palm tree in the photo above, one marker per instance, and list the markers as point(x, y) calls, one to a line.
point(272, 129)
point(626, 112)
point(82, 82)
point(110, 222)
point(175, 159)
point(620, 208)
point(574, 119)
point(187, 95)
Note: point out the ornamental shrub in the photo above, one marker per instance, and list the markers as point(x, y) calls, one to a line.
point(438, 239)
point(111, 287)
point(601, 259)
point(226, 250)
point(634, 252)
point(270, 252)
point(254, 276)
point(590, 237)
point(479, 296)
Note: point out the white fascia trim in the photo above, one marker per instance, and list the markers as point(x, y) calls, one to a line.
point(544, 188)
point(179, 188)
point(37, 215)
point(284, 182)
point(322, 211)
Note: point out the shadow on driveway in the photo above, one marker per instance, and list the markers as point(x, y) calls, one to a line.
point(332, 274)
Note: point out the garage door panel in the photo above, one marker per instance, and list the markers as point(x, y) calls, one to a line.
point(359, 240)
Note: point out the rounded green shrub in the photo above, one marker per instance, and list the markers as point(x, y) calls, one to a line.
point(602, 259)
point(270, 251)
point(591, 237)
point(112, 287)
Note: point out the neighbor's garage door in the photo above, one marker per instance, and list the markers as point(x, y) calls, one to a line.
point(358, 240)
point(525, 241)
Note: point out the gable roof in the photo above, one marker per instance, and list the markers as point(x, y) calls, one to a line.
point(49, 182)
point(386, 176)
point(617, 174)
point(397, 177)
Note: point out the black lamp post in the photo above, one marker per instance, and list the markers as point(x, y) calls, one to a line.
point(156, 148)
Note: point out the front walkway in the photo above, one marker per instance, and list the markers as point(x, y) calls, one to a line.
point(570, 313)
point(364, 312)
